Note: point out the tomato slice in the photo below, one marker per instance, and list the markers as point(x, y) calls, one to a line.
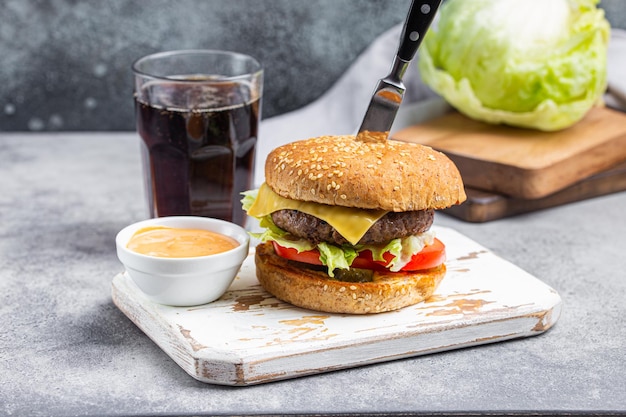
point(430, 257)
point(308, 256)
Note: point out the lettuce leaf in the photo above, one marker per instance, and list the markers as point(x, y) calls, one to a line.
point(248, 199)
point(336, 257)
point(402, 249)
point(539, 65)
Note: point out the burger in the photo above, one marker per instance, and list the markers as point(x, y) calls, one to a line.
point(346, 222)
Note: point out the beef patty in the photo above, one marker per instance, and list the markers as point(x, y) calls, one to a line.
point(390, 226)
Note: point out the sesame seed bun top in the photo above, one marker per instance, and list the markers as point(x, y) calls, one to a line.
point(369, 172)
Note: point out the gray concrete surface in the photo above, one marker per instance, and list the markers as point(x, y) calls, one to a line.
point(65, 349)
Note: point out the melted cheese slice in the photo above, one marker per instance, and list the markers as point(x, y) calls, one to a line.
point(351, 223)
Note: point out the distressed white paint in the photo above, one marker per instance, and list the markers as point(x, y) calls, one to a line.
point(249, 337)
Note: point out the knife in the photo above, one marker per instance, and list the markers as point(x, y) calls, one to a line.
point(389, 91)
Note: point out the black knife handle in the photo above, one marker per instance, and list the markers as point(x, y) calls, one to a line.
point(416, 25)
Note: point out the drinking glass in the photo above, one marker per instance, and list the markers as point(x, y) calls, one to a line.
point(197, 112)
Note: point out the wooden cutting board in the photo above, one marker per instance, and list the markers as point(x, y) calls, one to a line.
point(524, 163)
point(483, 206)
point(249, 337)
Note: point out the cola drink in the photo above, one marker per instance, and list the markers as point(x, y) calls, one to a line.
point(198, 146)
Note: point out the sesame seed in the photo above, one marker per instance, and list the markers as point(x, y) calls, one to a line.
point(343, 196)
point(353, 287)
point(313, 191)
point(342, 289)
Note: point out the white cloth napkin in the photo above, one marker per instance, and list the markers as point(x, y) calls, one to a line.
point(340, 110)
point(616, 69)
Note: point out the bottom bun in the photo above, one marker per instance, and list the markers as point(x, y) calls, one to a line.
point(313, 289)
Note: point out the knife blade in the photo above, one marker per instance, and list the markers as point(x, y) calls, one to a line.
point(390, 90)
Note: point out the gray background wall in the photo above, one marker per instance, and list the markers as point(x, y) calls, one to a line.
point(65, 64)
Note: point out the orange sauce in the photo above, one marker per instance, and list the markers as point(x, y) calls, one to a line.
point(171, 242)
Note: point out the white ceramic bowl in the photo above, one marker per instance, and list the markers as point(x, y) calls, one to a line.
point(184, 281)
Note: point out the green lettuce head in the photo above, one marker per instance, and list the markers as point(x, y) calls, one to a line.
point(534, 64)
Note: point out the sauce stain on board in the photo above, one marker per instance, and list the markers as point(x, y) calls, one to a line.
point(463, 306)
point(305, 328)
point(195, 345)
point(245, 302)
point(455, 304)
point(471, 255)
point(317, 320)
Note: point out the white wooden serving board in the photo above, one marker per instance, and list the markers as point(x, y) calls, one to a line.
point(249, 337)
